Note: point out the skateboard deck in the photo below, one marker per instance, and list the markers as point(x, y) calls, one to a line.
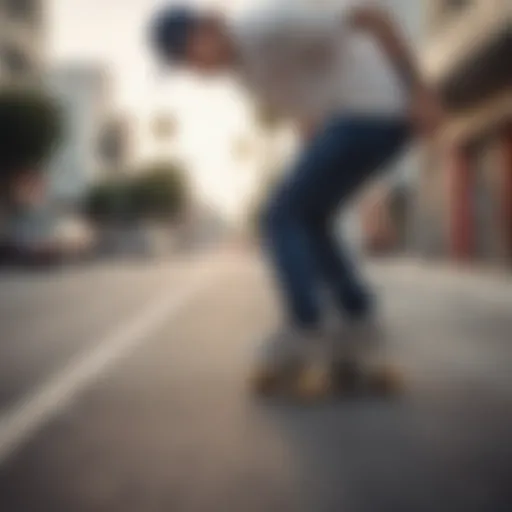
point(354, 373)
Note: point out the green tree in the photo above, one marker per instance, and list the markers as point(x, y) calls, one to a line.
point(30, 129)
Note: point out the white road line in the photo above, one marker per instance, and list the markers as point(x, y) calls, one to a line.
point(26, 418)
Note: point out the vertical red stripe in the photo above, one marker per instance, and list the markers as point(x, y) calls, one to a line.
point(506, 199)
point(461, 206)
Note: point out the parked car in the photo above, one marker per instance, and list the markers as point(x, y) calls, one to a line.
point(73, 238)
point(39, 238)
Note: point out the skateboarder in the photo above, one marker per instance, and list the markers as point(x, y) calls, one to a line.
point(348, 80)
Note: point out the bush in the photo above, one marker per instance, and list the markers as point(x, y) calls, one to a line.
point(160, 191)
point(156, 192)
point(106, 201)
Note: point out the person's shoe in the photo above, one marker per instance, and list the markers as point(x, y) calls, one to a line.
point(291, 360)
point(361, 358)
point(354, 336)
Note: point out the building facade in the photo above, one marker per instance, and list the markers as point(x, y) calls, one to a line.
point(83, 92)
point(22, 37)
point(465, 188)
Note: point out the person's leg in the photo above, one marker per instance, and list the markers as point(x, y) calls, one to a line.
point(365, 147)
point(288, 246)
point(334, 166)
point(339, 271)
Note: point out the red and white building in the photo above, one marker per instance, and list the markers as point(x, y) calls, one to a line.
point(465, 188)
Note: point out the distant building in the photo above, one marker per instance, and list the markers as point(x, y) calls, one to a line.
point(465, 193)
point(84, 95)
point(22, 41)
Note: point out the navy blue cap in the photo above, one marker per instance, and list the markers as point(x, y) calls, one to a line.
point(169, 31)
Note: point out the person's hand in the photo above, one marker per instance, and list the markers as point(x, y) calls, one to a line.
point(426, 112)
point(307, 130)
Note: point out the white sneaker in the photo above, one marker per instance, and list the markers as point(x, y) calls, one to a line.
point(289, 347)
point(293, 361)
point(355, 336)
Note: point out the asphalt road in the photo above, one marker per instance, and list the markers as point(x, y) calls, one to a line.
point(122, 388)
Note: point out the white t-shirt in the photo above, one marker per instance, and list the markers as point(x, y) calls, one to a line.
point(304, 63)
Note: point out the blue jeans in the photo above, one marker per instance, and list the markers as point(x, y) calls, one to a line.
point(297, 222)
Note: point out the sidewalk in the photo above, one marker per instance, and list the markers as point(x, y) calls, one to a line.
point(444, 268)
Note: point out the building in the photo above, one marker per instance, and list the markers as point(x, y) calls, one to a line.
point(465, 189)
point(22, 37)
point(83, 92)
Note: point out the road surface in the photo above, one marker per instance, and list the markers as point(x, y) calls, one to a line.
point(122, 389)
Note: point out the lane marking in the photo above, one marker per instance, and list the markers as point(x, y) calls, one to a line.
point(26, 418)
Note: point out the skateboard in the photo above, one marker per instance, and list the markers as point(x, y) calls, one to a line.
point(354, 373)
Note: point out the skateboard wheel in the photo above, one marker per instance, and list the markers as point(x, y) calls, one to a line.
point(312, 383)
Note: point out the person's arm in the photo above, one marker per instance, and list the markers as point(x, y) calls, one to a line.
point(426, 108)
point(378, 23)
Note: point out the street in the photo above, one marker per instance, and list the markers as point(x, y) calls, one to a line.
point(123, 388)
